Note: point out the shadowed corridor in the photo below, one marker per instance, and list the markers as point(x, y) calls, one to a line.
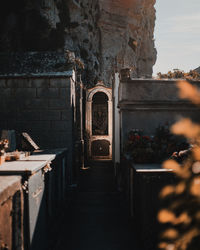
point(97, 218)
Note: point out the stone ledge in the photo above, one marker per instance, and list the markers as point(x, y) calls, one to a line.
point(65, 74)
point(157, 105)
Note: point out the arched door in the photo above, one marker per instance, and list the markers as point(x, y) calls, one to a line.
point(99, 122)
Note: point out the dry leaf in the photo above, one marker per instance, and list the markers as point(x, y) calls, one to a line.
point(188, 91)
point(180, 188)
point(185, 240)
point(196, 153)
point(170, 234)
point(168, 190)
point(184, 218)
point(180, 171)
point(163, 245)
point(166, 216)
point(187, 128)
point(196, 167)
point(195, 187)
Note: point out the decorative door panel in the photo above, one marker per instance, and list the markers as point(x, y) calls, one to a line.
point(100, 148)
point(99, 122)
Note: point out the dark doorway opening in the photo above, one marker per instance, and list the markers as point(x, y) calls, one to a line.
point(100, 114)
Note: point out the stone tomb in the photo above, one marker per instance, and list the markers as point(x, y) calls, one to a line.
point(147, 103)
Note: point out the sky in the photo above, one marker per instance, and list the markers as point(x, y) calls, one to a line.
point(177, 35)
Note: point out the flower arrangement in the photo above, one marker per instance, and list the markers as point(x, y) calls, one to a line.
point(3, 146)
point(155, 148)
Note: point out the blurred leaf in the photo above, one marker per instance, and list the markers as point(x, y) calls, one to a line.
point(180, 171)
point(186, 201)
point(186, 239)
point(187, 128)
point(196, 153)
point(166, 216)
point(184, 218)
point(188, 91)
point(196, 167)
point(170, 234)
point(166, 191)
point(195, 187)
point(180, 188)
point(197, 216)
point(166, 246)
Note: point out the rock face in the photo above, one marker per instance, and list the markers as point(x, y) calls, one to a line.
point(127, 28)
point(108, 35)
point(197, 70)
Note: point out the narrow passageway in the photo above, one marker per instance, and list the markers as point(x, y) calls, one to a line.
point(97, 218)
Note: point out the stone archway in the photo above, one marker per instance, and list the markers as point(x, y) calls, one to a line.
point(99, 122)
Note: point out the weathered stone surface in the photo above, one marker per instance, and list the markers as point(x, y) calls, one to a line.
point(66, 115)
point(111, 35)
point(8, 186)
point(142, 90)
point(50, 115)
point(10, 224)
point(48, 93)
point(2, 83)
point(19, 83)
point(107, 35)
point(38, 104)
point(127, 36)
point(40, 82)
point(146, 103)
point(61, 126)
point(23, 92)
point(197, 70)
point(29, 116)
point(58, 103)
point(63, 83)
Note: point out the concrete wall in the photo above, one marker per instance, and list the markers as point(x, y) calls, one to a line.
point(42, 106)
point(144, 104)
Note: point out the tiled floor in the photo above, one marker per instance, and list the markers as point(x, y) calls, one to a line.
point(98, 217)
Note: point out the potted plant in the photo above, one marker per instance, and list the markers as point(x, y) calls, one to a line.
point(3, 147)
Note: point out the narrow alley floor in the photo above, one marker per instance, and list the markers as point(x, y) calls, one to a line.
point(97, 218)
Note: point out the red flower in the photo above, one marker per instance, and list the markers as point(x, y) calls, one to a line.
point(146, 137)
point(131, 137)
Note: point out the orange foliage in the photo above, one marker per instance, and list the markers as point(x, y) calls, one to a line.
point(195, 187)
point(166, 191)
point(187, 128)
point(183, 214)
point(170, 234)
point(166, 216)
point(179, 74)
point(188, 91)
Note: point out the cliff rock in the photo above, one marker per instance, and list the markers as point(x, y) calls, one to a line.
point(108, 35)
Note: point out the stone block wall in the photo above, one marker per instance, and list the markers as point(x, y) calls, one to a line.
point(41, 106)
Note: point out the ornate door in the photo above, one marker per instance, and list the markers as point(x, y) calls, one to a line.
point(99, 122)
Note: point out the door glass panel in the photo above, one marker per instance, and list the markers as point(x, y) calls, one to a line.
point(100, 114)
